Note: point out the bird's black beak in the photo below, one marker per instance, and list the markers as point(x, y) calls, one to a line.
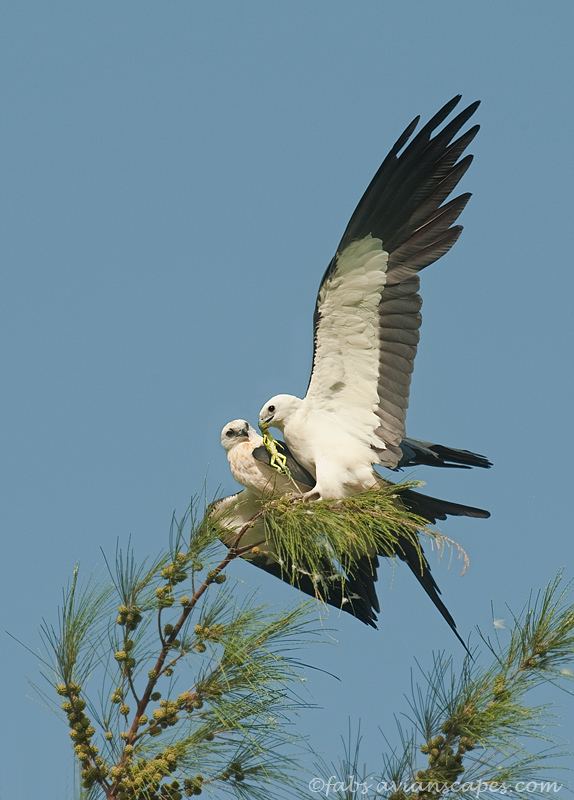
point(244, 432)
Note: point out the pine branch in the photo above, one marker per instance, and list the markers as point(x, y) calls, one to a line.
point(242, 683)
point(475, 728)
point(370, 523)
point(227, 730)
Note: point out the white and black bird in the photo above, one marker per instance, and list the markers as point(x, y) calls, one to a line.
point(367, 318)
point(249, 462)
point(250, 465)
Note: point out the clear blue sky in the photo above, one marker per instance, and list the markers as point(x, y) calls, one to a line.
point(175, 178)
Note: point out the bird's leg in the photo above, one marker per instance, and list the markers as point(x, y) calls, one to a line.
point(311, 495)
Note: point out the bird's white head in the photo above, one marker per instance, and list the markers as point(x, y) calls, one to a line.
point(276, 412)
point(238, 430)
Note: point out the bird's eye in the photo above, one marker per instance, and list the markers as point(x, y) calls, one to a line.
point(229, 433)
point(271, 409)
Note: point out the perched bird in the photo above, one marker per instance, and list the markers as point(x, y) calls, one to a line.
point(250, 465)
point(261, 481)
point(367, 317)
point(240, 440)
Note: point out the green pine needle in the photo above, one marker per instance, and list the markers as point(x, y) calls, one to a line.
point(331, 535)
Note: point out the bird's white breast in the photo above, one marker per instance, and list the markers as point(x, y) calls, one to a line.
point(254, 475)
point(341, 461)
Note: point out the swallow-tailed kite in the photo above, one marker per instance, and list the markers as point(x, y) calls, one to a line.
point(250, 464)
point(367, 316)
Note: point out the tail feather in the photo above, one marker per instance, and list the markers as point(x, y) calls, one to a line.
point(416, 452)
point(420, 568)
point(431, 508)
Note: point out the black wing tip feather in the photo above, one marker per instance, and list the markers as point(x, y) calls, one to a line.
point(424, 136)
point(392, 197)
point(402, 140)
point(462, 117)
point(442, 113)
